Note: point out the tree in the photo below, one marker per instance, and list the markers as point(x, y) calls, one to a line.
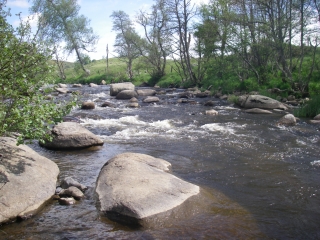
point(126, 39)
point(156, 45)
point(60, 22)
point(24, 69)
point(181, 14)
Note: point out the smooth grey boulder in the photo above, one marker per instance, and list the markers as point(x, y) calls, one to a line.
point(67, 201)
point(27, 180)
point(62, 90)
point(71, 135)
point(115, 88)
point(93, 85)
point(146, 92)
point(258, 111)
point(317, 117)
point(77, 85)
point(72, 192)
point(151, 99)
point(70, 182)
point(126, 94)
point(259, 101)
point(133, 187)
point(287, 120)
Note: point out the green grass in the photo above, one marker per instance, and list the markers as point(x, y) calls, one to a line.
point(310, 109)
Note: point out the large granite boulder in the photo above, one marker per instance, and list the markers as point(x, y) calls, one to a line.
point(133, 187)
point(115, 88)
point(259, 101)
point(71, 135)
point(146, 92)
point(126, 94)
point(27, 180)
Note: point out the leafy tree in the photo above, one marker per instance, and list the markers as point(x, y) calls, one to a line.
point(24, 69)
point(60, 22)
point(126, 39)
point(156, 44)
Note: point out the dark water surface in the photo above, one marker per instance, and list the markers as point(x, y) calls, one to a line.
point(261, 181)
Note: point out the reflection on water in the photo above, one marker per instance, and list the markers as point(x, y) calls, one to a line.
point(259, 181)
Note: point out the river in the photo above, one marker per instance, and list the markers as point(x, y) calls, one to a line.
point(262, 180)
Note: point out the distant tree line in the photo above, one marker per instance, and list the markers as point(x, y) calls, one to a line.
point(259, 41)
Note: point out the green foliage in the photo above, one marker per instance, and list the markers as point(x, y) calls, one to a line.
point(310, 109)
point(170, 80)
point(25, 68)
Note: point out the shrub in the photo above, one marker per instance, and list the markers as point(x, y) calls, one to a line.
point(25, 68)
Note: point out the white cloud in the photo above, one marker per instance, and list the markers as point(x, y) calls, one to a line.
point(18, 3)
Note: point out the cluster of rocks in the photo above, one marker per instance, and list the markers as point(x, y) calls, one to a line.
point(69, 191)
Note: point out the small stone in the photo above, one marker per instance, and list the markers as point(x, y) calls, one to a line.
point(67, 201)
point(69, 181)
point(72, 192)
point(88, 105)
point(211, 112)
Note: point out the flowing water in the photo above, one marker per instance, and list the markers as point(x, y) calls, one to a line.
point(261, 181)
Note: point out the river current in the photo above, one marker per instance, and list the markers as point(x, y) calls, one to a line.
point(261, 181)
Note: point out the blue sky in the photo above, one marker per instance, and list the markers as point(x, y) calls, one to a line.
point(98, 11)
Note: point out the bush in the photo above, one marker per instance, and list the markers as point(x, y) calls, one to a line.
point(310, 109)
point(25, 68)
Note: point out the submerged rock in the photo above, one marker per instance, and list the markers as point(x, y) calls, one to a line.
point(258, 111)
point(67, 201)
point(151, 99)
point(71, 135)
point(27, 180)
point(132, 187)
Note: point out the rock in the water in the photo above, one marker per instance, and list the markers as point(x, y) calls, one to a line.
point(67, 201)
point(93, 85)
point(258, 111)
point(132, 187)
point(133, 105)
point(151, 99)
point(71, 192)
point(27, 180)
point(202, 95)
point(71, 135)
point(126, 94)
point(77, 85)
point(209, 104)
point(317, 117)
point(103, 82)
point(115, 88)
point(88, 105)
point(259, 101)
point(108, 104)
point(287, 120)
point(62, 90)
point(212, 112)
point(146, 92)
point(133, 100)
point(70, 182)
point(61, 85)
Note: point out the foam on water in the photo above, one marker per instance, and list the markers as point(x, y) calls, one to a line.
point(315, 163)
point(216, 127)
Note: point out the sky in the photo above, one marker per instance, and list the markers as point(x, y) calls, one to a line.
point(98, 11)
